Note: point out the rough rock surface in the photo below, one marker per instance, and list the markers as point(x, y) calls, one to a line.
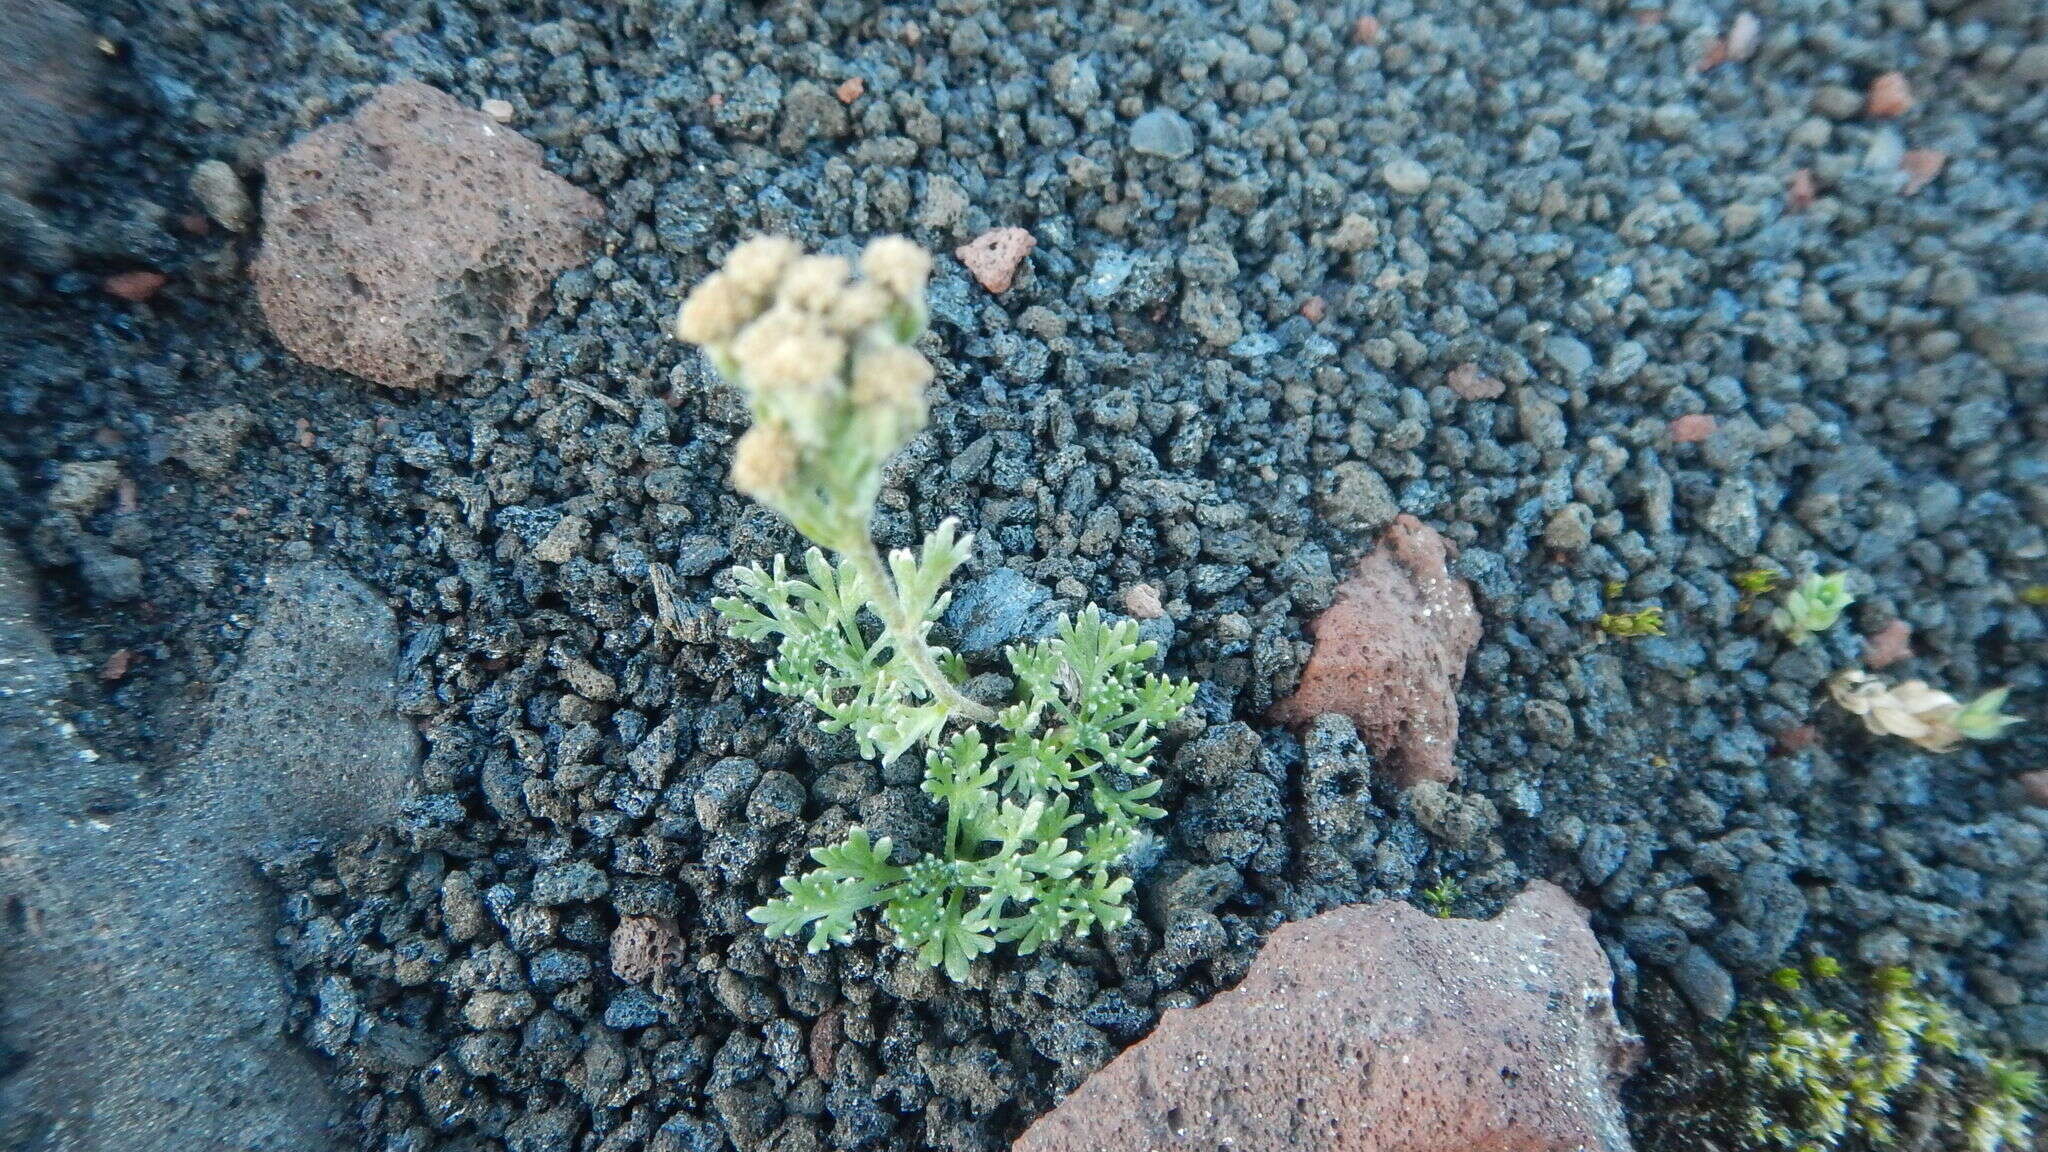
point(47, 75)
point(139, 981)
point(1379, 1027)
point(994, 256)
point(408, 241)
point(1390, 654)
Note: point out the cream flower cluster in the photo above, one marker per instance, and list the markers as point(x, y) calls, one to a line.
point(1915, 710)
point(826, 362)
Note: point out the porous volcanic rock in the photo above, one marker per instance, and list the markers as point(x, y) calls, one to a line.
point(1390, 654)
point(1376, 1028)
point(410, 240)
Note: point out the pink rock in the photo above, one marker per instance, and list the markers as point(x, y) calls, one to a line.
point(1692, 429)
point(994, 255)
point(1921, 166)
point(1466, 381)
point(134, 287)
point(1142, 602)
point(1890, 96)
point(1800, 190)
point(411, 240)
point(1379, 1028)
point(1390, 654)
point(1888, 645)
point(2034, 786)
point(1797, 739)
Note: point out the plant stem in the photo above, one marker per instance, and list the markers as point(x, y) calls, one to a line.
point(904, 632)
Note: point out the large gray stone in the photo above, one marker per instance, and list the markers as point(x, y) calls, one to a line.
point(139, 980)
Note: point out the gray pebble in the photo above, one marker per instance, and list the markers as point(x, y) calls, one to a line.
point(1405, 176)
point(1163, 132)
point(1706, 985)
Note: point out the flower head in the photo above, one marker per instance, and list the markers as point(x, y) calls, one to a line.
point(826, 362)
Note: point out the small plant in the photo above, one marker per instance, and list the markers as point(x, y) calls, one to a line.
point(1755, 582)
point(1815, 1073)
point(1826, 1061)
point(1441, 896)
point(2035, 594)
point(1037, 818)
point(1813, 606)
point(1914, 710)
point(2003, 1117)
point(1642, 622)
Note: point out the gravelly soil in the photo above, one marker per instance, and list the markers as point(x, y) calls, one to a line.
point(1557, 195)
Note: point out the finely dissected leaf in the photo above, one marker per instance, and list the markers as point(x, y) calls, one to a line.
point(857, 859)
point(826, 902)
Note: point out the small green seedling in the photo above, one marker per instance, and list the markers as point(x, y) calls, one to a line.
point(1813, 606)
point(1985, 717)
point(1441, 896)
point(1042, 811)
point(1642, 622)
point(1755, 582)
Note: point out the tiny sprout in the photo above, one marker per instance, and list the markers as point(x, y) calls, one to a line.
point(1788, 979)
point(1644, 622)
point(1756, 582)
point(1813, 606)
point(2035, 594)
point(1984, 718)
point(1614, 588)
point(1441, 895)
point(1824, 967)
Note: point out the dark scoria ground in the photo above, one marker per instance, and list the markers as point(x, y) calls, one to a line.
point(1605, 229)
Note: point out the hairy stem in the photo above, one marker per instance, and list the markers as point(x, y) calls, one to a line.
point(904, 633)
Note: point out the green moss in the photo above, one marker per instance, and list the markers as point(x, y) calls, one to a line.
point(1826, 1063)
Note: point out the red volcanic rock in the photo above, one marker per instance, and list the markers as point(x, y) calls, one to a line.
point(1890, 96)
point(994, 255)
point(1379, 1029)
point(1921, 166)
point(409, 241)
point(1800, 190)
point(1888, 645)
point(134, 287)
point(1692, 429)
point(1469, 384)
point(1390, 654)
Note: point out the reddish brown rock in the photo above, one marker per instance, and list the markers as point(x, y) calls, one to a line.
point(1692, 429)
point(1797, 739)
point(134, 287)
point(1469, 384)
point(1390, 654)
point(1921, 166)
point(1890, 96)
point(1800, 191)
point(1888, 645)
point(2034, 786)
point(1379, 1029)
point(409, 241)
point(994, 255)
